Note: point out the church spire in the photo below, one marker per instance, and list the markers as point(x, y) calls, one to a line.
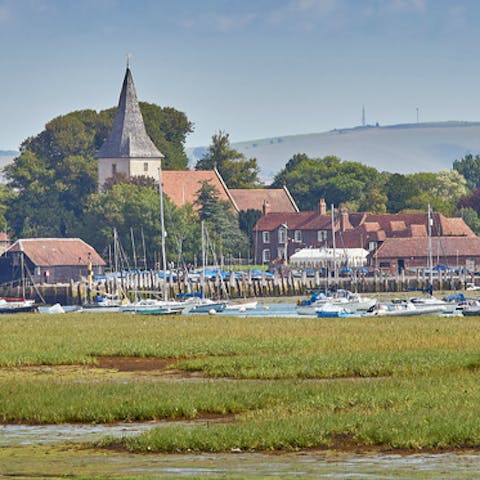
point(128, 138)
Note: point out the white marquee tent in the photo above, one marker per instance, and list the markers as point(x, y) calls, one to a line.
point(323, 257)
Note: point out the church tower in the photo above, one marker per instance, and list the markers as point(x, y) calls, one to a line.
point(128, 149)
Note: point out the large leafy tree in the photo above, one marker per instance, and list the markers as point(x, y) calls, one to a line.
point(310, 179)
point(168, 128)
point(441, 191)
point(236, 171)
point(135, 207)
point(471, 218)
point(469, 167)
point(56, 170)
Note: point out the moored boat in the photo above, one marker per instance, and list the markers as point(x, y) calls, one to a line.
point(17, 305)
point(330, 310)
point(354, 302)
point(403, 309)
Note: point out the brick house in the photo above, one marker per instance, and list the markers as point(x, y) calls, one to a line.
point(278, 233)
point(400, 254)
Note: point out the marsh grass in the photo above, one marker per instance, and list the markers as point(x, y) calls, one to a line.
point(409, 413)
point(289, 383)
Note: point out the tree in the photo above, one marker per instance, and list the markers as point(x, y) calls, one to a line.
point(221, 221)
point(247, 220)
point(127, 206)
point(471, 200)
point(231, 164)
point(374, 201)
point(471, 218)
point(56, 171)
point(168, 128)
point(440, 190)
point(310, 179)
point(469, 167)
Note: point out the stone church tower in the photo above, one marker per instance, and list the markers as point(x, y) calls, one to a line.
point(128, 149)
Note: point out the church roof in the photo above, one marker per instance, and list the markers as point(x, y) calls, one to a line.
point(128, 137)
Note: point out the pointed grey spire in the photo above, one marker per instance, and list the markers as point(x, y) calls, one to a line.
point(128, 137)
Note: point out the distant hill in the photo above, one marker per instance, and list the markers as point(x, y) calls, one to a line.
point(406, 148)
point(8, 153)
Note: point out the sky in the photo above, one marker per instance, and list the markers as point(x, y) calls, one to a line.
point(251, 68)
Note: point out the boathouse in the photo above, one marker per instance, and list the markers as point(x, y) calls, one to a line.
point(49, 260)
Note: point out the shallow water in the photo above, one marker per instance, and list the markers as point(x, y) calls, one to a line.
point(305, 465)
point(14, 435)
point(267, 310)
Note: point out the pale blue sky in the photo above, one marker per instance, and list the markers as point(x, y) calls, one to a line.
point(253, 68)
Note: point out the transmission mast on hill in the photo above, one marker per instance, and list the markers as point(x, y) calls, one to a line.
point(363, 115)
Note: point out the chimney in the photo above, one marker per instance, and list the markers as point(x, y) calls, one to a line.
point(322, 206)
point(265, 207)
point(344, 221)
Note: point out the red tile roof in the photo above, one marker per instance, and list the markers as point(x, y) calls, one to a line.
point(293, 220)
point(418, 231)
point(182, 186)
point(418, 247)
point(455, 226)
point(278, 199)
point(57, 251)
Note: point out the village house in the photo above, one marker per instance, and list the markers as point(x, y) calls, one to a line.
point(278, 236)
point(49, 260)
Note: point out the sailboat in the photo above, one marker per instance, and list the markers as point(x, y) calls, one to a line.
point(203, 304)
point(106, 302)
point(162, 306)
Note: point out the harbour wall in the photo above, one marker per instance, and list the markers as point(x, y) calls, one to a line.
point(151, 285)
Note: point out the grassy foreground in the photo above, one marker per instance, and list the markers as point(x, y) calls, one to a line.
point(282, 384)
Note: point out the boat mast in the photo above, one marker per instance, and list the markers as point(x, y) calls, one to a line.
point(430, 249)
point(204, 260)
point(335, 273)
point(133, 249)
point(162, 227)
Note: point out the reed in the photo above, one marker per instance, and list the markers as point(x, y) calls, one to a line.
point(410, 413)
point(281, 383)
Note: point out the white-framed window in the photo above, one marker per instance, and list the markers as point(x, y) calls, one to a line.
point(114, 169)
point(372, 246)
point(145, 166)
point(266, 255)
point(282, 235)
point(266, 237)
point(322, 235)
point(298, 235)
